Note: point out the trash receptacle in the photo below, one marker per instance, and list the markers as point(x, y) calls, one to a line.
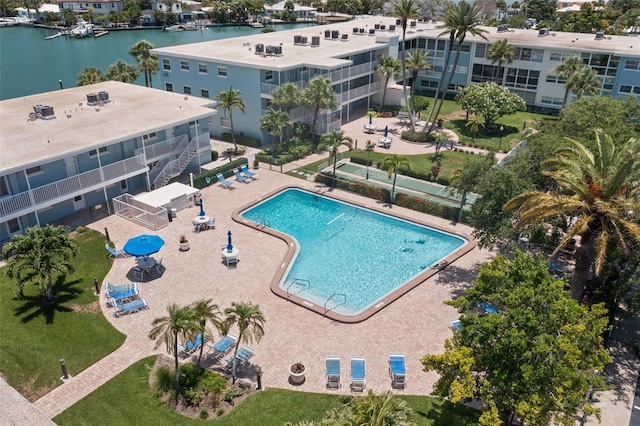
point(169, 215)
point(174, 212)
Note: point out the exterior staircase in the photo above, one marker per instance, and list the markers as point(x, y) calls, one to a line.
point(166, 169)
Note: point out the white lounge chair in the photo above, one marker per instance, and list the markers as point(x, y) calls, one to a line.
point(248, 173)
point(239, 177)
point(226, 183)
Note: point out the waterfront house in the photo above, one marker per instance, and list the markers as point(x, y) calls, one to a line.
point(348, 53)
point(97, 7)
point(76, 149)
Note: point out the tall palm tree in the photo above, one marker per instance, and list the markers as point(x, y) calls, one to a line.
point(228, 101)
point(178, 325)
point(273, 122)
point(501, 53)
point(335, 140)
point(462, 18)
point(584, 82)
point(90, 75)
point(567, 69)
point(392, 164)
point(416, 62)
point(597, 190)
point(37, 254)
point(203, 311)
point(405, 10)
point(122, 71)
point(390, 69)
point(287, 97)
point(147, 61)
point(250, 322)
point(319, 95)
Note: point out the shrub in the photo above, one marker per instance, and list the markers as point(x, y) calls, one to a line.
point(194, 396)
point(81, 229)
point(430, 207)
point(214, 155)
point(219, 412)
point(282, 158)
point(189, 375)
point(369, 191)
point(231, 394)
point(163, 381)
point(242, 140)
point(204, 414)
point(420, 103)
point(213, 383)
point(418, 136)
point(357, 158)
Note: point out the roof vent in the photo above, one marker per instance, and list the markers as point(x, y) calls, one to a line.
point(543, 32)
point(600, 35)
point(92, 99)
point(103, 96)
point(259, 49)
point(315, 41)
point(413, 24)
point(392, 27)
point(345, 37)
point(46, 112)
point(327, 33)
point(503, 28)
point(335, 34)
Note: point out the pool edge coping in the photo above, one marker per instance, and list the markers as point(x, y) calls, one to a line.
point(384, 301)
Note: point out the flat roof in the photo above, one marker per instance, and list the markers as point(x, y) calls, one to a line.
point(133, 111)
point(241, 50)
point(163, 196)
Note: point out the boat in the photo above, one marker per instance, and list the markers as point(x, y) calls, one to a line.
point(257, 24)
point(7, 22)
point(83, 29)
point(173, 28)
point(52, 36)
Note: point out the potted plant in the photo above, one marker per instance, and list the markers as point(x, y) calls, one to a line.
point(184, 243)
point(256, 163)
point(296, 373)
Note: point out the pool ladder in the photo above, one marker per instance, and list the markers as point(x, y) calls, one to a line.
point(335, 295)
point(303, 284)
point(262, 223)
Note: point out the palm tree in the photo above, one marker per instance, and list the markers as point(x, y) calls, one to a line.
point(392, 164)
point(335, 140)
point(204, 311)
point(597, 190)
point(501, 53)
point(416, 62)
point(584, 82)
point(319, 95)
point(405, 10)
point(250, 322)
point(35, 255)
point(372, 410)
point(179, 324)
point(228, 101)
point(287, 96)
point(474, 124)
point(90, 75)
point(459, 19)
point(390, 69)
point(273, 122)
point(122, 71)
point(147, 61)
point(567, 69)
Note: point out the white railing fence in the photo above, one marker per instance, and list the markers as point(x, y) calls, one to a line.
point(151, 217)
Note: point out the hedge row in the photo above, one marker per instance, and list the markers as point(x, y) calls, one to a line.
point(200, 181)
point(363, 189)
point(429, 207)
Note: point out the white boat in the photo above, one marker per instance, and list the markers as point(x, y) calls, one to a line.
point(257, 25)
point(82, 30)
point(173, 28)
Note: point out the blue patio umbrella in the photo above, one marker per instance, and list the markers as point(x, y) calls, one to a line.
point(229, 246)
point(143, 245)
point(370, 118)
point(386, 131)
point(201, 211)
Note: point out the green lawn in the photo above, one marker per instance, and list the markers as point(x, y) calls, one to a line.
point(127, 397)
point(35, 336)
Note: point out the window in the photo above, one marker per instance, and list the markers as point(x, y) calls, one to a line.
point(555, 79)
point(526, 54)
point(149, 136)
point(184, 65)
point(522, 78)
point(202, 68)
point(34, 170)
point(101, 151)
point(77, 198)
point(4, 190)
point(626, 88)
point(225, 122)
point(481, 50)
point(186, 90)
point(465, 48)
point(166, 64)
point(548, 100)
point(204, 93)
point(482, 73)
point(123, 184)
point(13, 225)
point(169, 87)
point(268, 75)
point(222, 71)
point(632, 64)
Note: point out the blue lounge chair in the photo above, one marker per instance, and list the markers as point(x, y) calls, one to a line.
point(333, 372)
point(397, 371)
point(117, 288)
point(226, 183)
point(222, 346)
point(113, 253)
point(243, 355)
point(248, 173)
point(487, 308)
point(129, 308)
point(187, 348)
point(120, 294)
point(455, 325)
point(358, 374)
point(239, 177)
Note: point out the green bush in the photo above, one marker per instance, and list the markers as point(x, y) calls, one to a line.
point(420, 103)
point(418, 136)
point(429, 207)
point(242, 140)
point(214, 155)
point(358, 158)
point(231, 394)
point(163, 382)
point(356, 187)
point(200, 181)
point(189, 375)
point(204, 414)
point(282, 158)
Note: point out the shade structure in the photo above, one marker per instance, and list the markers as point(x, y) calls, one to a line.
point(386, 131)
point(143, 245)
point(370, 118)
point(229, 246)
point(201, 209)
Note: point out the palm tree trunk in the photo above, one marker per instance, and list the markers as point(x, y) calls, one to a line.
point(444, 93)
point(584, 259)
point(233, 136)
point(384, 92)
point(404, 83)
point(393, 188)
point(463, 201)
point(233, 361)
point(442, 75)
point(313, 128)
point(175, 356)
point(566, 96)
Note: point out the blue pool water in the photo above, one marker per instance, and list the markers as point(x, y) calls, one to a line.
point(347, 250)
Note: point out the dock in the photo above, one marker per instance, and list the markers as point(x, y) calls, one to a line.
point(100, 33)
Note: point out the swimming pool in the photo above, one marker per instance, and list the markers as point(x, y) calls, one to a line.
point(348, 259)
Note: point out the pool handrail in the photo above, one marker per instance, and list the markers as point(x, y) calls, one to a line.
point(331, 297)
point(305, 284)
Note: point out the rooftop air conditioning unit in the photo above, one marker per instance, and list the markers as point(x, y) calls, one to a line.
point(361, 31)
point(103, 96)
point(543, 32)
point(278, 50)
point(600, 35)
point(327, 33)
point(335, 34)
point(503, 28)
point(270, 50)
point(315, 41)
point(377, 26)
point(383, 27)
point(296, 39)
point(392, 27)
point(398, 21)
point(413, 24)
point(46, 112)
point(92, 99)
point(259, 49)
point(303, 40)
point(355, 30)
point(372, 32)
point(345, 37)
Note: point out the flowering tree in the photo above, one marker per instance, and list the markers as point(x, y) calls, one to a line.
point(490, 101)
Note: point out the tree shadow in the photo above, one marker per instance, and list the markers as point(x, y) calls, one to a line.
point(457, 278)
point(33, 307)
point(449, 414)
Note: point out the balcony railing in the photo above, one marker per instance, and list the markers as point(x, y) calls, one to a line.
point(352, 72)
point(160, 149)
point(84, 181)
point(358, 92)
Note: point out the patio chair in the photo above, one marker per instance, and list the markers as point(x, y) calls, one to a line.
point(116, 288)
point(113, 253)
point(226, 183)
point(239, 177)
point(397, 371)
point(129, 308)
point(159, 267)
point(333, 372)
point(138, 273)
point(220, 348)
point(121, 295)
point(243, 355)
point(358, 374)
point(248, 173)
point(187, 348)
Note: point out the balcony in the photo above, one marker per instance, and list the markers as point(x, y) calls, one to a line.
point(44, 196)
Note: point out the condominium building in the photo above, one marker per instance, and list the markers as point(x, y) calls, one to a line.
point(78, 148)
point(348, 53)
